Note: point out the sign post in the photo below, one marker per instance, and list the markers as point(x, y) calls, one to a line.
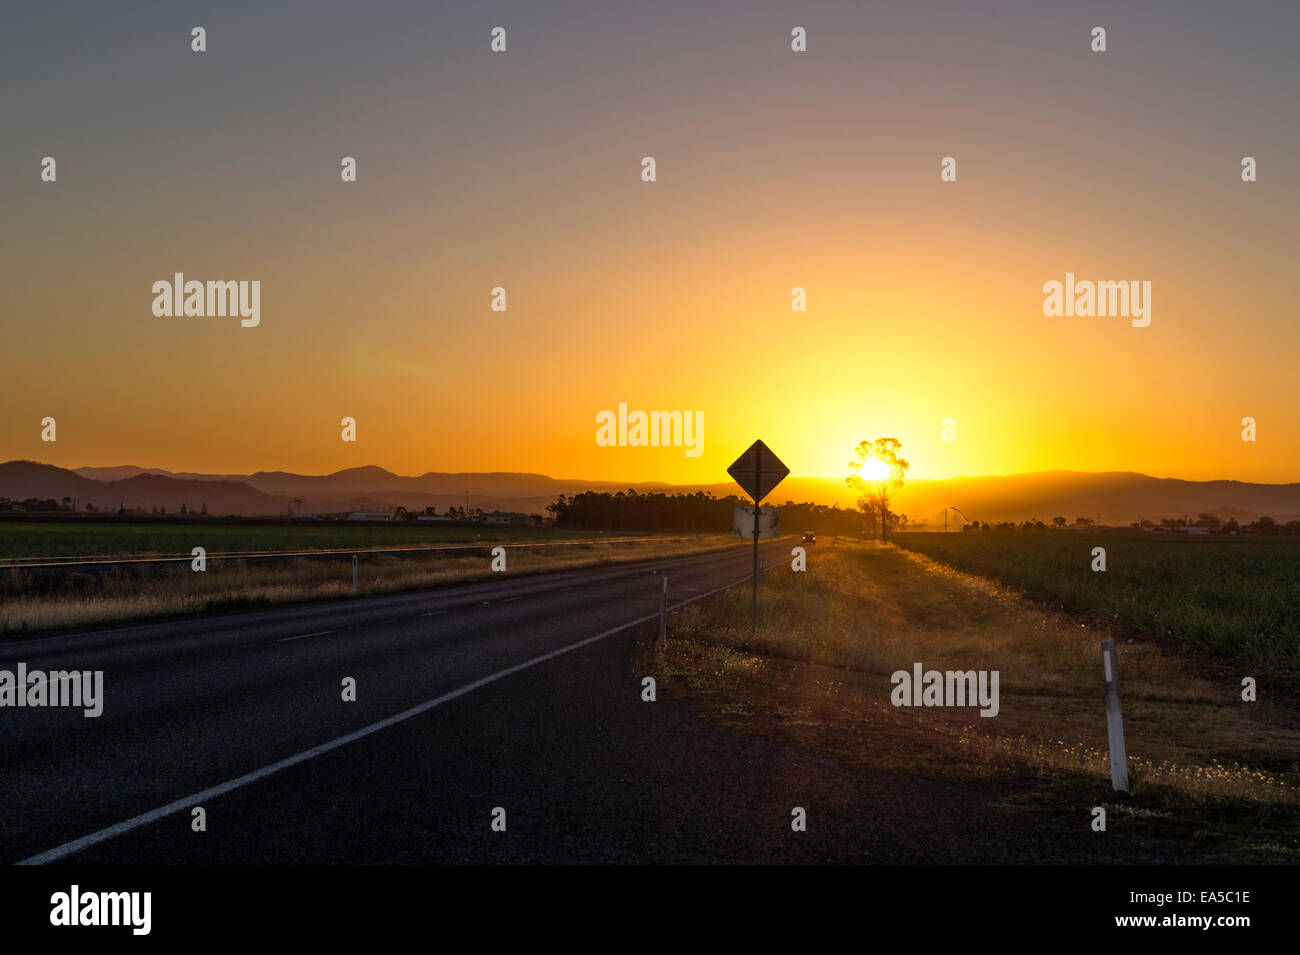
point(757, 471)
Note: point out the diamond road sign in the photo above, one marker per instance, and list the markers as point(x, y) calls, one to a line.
point(758, 471)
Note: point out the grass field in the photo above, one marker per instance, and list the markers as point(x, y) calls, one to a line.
point(1211, 774)
point(1234, 597)
point(20, 539)
point(40, 599)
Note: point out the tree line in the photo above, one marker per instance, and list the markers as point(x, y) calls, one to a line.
point(1212, 524)
point(47, 505)
point(698, 511)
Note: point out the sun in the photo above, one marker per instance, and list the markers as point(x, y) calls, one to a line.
point(873, 470)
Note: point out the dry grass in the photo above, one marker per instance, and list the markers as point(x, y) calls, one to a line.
point(30, 602)
point(818, 669)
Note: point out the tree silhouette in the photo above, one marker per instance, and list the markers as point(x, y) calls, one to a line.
point(876, 490)
point(699, 511)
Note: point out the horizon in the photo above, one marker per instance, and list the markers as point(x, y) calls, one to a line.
point(800, 477)
point(1110, 499)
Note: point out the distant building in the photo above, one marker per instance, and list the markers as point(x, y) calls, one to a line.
point(1191, 529)
point(507, 517)
point(370, 516)
point(437, 518)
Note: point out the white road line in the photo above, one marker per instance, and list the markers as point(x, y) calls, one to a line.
point(432, 613)
point(509, 599)
point(90, 633)
point(188, 802)
point(318, 633)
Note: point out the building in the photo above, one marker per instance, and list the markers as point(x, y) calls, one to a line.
point(507, 517)
point(370, 516)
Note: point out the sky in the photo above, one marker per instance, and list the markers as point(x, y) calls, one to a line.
point(775, 169)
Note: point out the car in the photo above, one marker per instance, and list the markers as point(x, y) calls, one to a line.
point(809, 537)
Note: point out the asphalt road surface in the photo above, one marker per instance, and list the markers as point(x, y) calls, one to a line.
point(521, 694)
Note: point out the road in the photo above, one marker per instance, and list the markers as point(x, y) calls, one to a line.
point(521, 693)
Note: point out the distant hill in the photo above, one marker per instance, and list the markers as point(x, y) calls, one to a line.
point(375, 488)
point(1118, 497)
point(20, 480)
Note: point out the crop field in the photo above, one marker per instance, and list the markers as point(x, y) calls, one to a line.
point(1232, 596)
point(71, 538)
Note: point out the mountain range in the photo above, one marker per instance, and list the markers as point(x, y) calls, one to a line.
point(1113, 497)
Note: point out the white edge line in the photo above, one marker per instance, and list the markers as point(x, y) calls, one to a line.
point(103, 835)
point(318, 633)
point(185, 802)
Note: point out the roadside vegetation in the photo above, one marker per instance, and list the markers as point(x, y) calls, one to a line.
point(1204, 765)
point(699, 511)
point(34, 600)
point(20, 540)
point(1235, 597)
